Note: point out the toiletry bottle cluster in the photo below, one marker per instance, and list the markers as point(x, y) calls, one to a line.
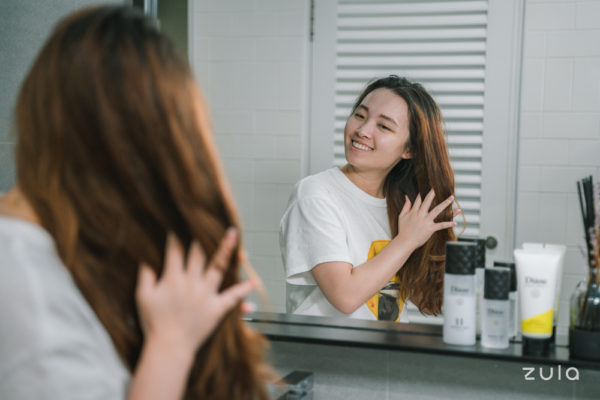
point(483, 301)
point(477, 300)
point(486, 308)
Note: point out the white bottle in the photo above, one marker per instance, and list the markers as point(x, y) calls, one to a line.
point(496, 308)
point(513, 299)
point(459, 294)
point(479, 273)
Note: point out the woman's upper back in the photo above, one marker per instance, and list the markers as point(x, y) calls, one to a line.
point(51, 342)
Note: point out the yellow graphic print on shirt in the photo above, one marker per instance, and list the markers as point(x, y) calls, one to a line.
point(385, 304)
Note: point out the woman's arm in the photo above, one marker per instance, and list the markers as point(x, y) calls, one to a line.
point(346, 288)
point(178, 313)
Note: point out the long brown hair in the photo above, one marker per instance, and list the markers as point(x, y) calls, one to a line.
point(422, 276)
point(115, 151)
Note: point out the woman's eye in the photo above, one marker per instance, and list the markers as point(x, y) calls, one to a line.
point(385, 128)
point(359, 116)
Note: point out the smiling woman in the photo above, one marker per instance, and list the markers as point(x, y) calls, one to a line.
point(363, 239)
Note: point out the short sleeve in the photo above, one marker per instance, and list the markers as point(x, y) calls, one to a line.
point(48, 348)
point(312, 231)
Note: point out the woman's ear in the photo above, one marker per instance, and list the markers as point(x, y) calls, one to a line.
point(406, 155)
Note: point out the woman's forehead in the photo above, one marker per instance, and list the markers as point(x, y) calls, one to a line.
point(386, 102)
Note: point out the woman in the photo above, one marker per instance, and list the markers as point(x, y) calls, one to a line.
point(115, 159)
point(362, 239)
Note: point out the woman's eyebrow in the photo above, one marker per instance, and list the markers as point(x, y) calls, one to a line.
point(362, 106)
point(388, 119)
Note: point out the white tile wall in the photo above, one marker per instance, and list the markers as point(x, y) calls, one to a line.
point(550, 16)
point(532, 89)
point(251, 58)
point(559, 129)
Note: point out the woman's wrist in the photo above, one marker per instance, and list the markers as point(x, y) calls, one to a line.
point(162, 370)
point(169, 349)
point(404, 245)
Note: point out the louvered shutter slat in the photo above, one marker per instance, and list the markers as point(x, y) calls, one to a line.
point(411, 47)
point(415, 20)
point(432, 87)
point(415, 7)
point(420, 74)
point(388, 34)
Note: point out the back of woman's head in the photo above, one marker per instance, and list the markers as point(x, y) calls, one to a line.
point(421, 278)
point(114, 151)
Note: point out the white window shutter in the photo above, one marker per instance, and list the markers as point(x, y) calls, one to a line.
point(440, 44)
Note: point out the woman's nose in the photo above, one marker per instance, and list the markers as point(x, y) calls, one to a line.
point(364, 130)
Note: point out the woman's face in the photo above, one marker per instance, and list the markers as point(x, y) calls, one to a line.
point(377, 132)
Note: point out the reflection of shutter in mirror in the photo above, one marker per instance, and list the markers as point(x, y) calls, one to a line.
point(440, 44)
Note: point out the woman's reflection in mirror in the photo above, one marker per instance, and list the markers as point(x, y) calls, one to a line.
point(363, 239)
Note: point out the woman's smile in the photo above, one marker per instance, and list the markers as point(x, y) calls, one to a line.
point(360, 146)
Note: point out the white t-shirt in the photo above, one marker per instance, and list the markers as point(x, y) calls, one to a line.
point(328, 219)
point(52, 345)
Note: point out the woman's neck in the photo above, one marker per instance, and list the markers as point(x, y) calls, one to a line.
point(14, 204)
point(370, 182)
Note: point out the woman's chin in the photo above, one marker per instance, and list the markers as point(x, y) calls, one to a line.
point(357, 157)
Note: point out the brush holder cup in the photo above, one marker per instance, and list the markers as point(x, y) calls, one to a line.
point(584, 331)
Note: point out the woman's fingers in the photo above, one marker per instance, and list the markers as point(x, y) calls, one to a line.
point(417, 203)
point(456, 212)
point(406, 207)
point(196, 260)
point(146, 281)
point(174, 257)
point(427, 202)
point(444, 225)
point(441, 207)
point(220, 261)
point(234, 294)
point(248, 307)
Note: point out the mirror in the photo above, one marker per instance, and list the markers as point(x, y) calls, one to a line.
point(269, 72)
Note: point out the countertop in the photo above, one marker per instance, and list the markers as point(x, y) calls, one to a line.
point(420, 338)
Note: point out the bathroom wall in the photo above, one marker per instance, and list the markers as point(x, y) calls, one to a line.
point(251, 58)
point(24, 26)
point(559, 129)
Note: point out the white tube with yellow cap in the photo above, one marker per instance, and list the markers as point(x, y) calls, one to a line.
point(537, 272)
point(563, 250)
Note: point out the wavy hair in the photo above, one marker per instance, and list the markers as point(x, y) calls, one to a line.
point(422, 276)
point(114, 151)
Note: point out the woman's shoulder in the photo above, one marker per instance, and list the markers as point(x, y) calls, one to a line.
point(318, 185)
point(48, 314)
point(21, 239)
point(22, 290)
point(31, 271)
point(26, 251)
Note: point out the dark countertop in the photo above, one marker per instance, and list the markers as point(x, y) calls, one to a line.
point(419, 338)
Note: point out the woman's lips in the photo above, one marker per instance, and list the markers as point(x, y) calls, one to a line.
point(361, 146)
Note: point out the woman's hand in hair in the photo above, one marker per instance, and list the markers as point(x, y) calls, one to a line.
point(416, 222)
point(183, 308)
